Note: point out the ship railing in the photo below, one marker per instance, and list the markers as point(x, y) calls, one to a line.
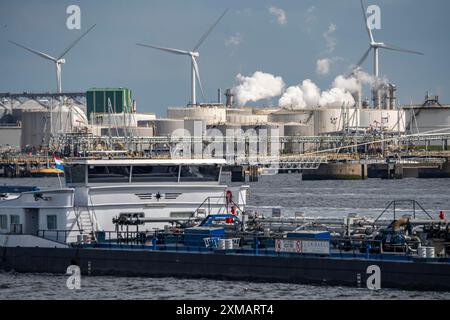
point(227, 203)
point(395, 206)
point(60, 236)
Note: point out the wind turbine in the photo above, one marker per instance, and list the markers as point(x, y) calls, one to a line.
point(376, 46)
point(59, 61)
point(193, 54)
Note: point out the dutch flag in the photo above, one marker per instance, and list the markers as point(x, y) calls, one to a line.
point(58, 163)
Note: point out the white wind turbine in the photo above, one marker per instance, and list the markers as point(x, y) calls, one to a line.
point(59, 61)
point(376, 46)
point(193, 55)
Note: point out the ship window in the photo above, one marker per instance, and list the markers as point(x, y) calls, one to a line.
point(15, 219)
point(98, 174)
point(155, 174)
point(199, 173)
point(3, 222)
point(75, 173)
point(52, 223)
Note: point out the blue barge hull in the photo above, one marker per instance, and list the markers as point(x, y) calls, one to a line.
point(412, 274)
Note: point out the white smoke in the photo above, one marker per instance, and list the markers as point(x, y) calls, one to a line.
point(257, 87)
point(329, 37)
point(336, 98)
point(305, 95)
point(308, 94)
point(355, 82)
point(323, 66)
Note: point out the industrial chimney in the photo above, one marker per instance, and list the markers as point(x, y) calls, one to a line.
point(219, 96)
point(230, 97)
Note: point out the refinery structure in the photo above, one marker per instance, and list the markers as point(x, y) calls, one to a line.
point(107, 120)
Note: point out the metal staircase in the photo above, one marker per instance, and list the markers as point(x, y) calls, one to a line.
point(86, 223)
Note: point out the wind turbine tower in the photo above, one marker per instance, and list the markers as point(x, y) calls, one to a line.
point(193, 54)
point(59, 61)
point(376, 46)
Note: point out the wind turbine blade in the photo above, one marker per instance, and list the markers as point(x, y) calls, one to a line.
point(75, 42)
point(170, 50)
point(39, 53)
point(361, 61)
point(203, 38)
point(395, 48)
point(197, 73)
point(364, 57)
point(369, 31)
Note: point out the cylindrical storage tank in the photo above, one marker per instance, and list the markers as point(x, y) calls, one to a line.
point(247, 119)
point(225, 129)
point(30, 105)
point(331, 120)
point(269, 138)
point(196, 128)
point(390, 120)
point(211, 114)
point(67, 118)
point(144, 132)
point(35, 128)
point(287, 116)
point(167, 127)
point(297, 130)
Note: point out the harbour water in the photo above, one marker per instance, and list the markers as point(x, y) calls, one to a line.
point(291, 195)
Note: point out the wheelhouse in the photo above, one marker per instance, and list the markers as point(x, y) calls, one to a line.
point(131, 171)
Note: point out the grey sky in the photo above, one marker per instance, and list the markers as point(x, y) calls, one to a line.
point(250, 38)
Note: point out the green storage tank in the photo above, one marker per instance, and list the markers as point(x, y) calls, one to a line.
point(97, 100)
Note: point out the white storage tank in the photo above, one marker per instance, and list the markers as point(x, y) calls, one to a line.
point(212, 114)
point(428, 118)
point(245, 116)
point(288, 116)
point(29, 105)
point(196, 128)
point(332, 120)
point(298, 130)
point(167, 127)
point(67, 118)
point(390, 120)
